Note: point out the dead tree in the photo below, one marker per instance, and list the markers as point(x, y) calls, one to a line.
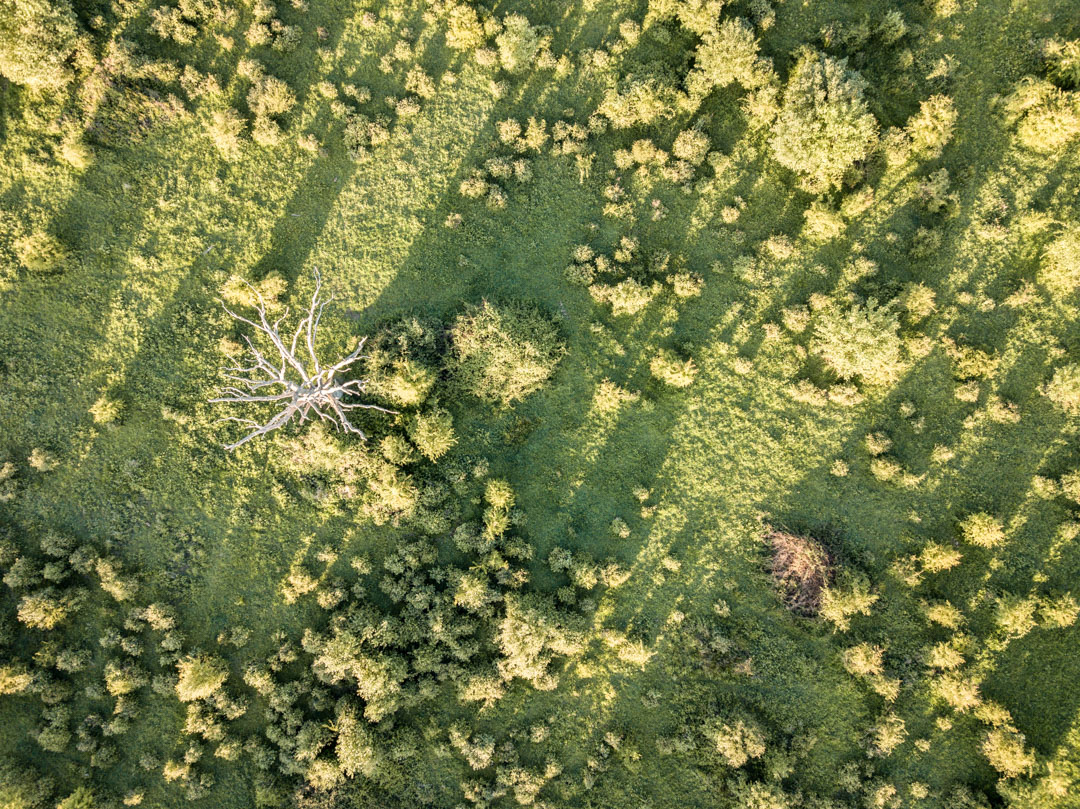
point(296, 384)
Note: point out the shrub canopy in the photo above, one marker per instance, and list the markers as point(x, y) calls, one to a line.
point(503, 353)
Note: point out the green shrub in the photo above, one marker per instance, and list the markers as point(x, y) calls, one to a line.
point(863, 660)
point(38, 39)
point(824, 127)
point(517, 44)
point(1005, 750)
point(936, 557)
point(943, 614)
point(391, 494)
point(1063, 60)
point(1059, 270)
point(944, 656)
point(200, 676)
point(673, 371)
point(40, 252)
point(270, 96)
point(356, 747)
point(885, 735)
point(737, 741)
point(23, 788)
point(224, 126)
point(531, 634)
point(44, 609)
point(1015, 615)
point(932, 126)
point(962, 693)
point(983, 530)
point(1059, 612)
point(15, 678)
point(503, 353)
point(124, 678)
point(842, 602)
point(728, 53)
point(628, 297)
point(860, 342)
point(1064, 388)
point(1046, 117)
point(691, 145)
point(433, 433)
point(639, 100)
point(402, 361)
point(463, 29)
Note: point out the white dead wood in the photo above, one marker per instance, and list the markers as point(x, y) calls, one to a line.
point(295, 384)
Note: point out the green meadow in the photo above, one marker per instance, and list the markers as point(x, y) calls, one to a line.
point(729, 371)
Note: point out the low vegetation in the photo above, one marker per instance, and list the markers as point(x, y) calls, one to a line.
point(435, 403)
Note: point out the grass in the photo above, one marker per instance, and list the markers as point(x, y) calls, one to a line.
point(154, 229)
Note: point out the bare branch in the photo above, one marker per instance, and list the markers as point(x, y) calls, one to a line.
point(305, 389)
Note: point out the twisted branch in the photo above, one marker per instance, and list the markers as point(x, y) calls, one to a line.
point(305, 387)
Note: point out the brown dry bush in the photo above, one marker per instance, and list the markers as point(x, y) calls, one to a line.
point(802, 569)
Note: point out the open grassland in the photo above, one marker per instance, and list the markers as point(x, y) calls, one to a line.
point(109, 356)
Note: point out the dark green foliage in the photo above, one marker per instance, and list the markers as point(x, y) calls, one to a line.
point(403, 361)
point(23, 788)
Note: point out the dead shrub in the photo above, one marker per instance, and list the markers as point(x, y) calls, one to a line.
point(801, 568)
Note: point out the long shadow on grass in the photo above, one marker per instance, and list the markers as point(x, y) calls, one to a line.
point(870, 523)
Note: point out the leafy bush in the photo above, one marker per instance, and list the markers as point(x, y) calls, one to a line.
point(691, 145)
point(673, 371)
point(45, 609)
point(840, 603)
point(270, 96)
point(983, 530)
point(38, 39)
point(863, 660)
point(463, 29)
point(628, 297)
point(200, 676)
point(530, 636)
point(1006, 752)
point(932, 126)
point(737, 741)
point(1064, 388)
point(1063, 58)
point(40, 252)
point(860, 342)
point(728, 53)
point(1046, 117)
point(403, 360)
point(639, 100)
point(1059, 270)
point(517, 44)
point(224, 126)
point(503, 353)
point(433, 433)
point(885, 736)
point(824, 127)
